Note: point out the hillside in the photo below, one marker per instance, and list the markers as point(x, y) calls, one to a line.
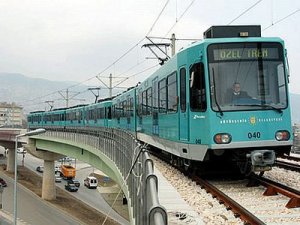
point(20, 89)
point(26, 92)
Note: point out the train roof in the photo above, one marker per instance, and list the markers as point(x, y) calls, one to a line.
point(58, 109)
point(77, 106)
point(105, 99)
point(232, 31)
point(37, 112)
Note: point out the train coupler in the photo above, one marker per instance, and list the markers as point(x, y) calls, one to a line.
point(262, 160)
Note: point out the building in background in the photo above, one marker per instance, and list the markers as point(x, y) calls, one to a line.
point(11, 115)
point(296, 141)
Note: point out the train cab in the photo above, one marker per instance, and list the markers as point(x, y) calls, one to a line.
point(242, 108)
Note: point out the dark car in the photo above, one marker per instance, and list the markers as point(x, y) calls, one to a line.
point(3, 183)
point(40, 169)
point(71, 187)
point(76, 182)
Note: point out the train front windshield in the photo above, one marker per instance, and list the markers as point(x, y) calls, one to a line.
point(247, 76)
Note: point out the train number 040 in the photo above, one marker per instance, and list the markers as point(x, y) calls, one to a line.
point(253, 135)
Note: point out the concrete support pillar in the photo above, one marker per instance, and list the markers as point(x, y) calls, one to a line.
point(48, 188)
point(11, 160)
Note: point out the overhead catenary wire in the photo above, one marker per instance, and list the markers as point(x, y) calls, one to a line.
point(282, 19)
point(180, 17)
point(114, 62)
point(123, 55)
point(148, 32)
point(135, 74)
point(244, 12)
point(159, 15)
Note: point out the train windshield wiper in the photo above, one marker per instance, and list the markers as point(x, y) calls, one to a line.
point(215, 94)
point(263, 106)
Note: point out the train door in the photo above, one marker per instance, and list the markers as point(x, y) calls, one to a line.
point(197, 103)
point(183, 112)
point(107, 116)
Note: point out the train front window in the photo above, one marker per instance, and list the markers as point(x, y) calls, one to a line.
point(247, 76)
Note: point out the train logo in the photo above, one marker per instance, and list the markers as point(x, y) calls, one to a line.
point(252, 120)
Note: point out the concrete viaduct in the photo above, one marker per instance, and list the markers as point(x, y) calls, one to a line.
point(114, 152)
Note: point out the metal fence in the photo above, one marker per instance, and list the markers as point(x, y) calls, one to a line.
point(133, 162)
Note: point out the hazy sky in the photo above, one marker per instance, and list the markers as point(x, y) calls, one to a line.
point(79, 39)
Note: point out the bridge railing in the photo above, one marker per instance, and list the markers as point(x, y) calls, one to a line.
point(134, 163)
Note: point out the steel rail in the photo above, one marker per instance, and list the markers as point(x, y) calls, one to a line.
point(287, 165)
point(238, 210)
point(297, 159)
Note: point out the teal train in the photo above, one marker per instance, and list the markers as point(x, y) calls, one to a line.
point(222, 100)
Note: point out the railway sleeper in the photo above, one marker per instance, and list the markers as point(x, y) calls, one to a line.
point(273, 188)
point(294, 201)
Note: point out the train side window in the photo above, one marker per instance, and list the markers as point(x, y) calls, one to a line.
point(197, 88)
point(78, 116)
point(155, 94)
point(130, 107)
point(149, 101)
point(113, 112)
point(125, 108)
point(183, 89)
point(118, 109)
point(144, 103)
point(109, 112)
point(172, 102)
point(103, 113)
point(162, 96)
point(140, 97)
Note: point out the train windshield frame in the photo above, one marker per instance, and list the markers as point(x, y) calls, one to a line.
point(247, 76)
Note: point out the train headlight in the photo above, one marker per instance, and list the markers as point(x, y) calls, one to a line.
point(282, 135)
point(222, 138)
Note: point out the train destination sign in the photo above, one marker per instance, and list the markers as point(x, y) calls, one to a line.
point(245, 53)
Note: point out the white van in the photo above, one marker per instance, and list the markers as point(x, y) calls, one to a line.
point(91, 182)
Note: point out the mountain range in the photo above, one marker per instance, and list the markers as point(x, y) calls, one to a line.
point(34, 94)
point(27, 92)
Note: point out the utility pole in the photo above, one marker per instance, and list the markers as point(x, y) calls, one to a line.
point(67, 97)
point(173, 39)
point(110, 85)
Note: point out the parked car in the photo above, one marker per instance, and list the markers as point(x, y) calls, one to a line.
point(40, 169)
point(71, 187)
point(57, 170)
point(76, 182)
point(91, 182)
point(21, 150)
point(3, 183)
point(66, 159)
point(57, 178)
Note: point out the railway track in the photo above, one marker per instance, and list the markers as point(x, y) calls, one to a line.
point(293, 158)
point(272, 189)
point(288, 165)
point(288, 162)
point(275, 188)
point(269, 201)
point(235, 207)
point(264, 203)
